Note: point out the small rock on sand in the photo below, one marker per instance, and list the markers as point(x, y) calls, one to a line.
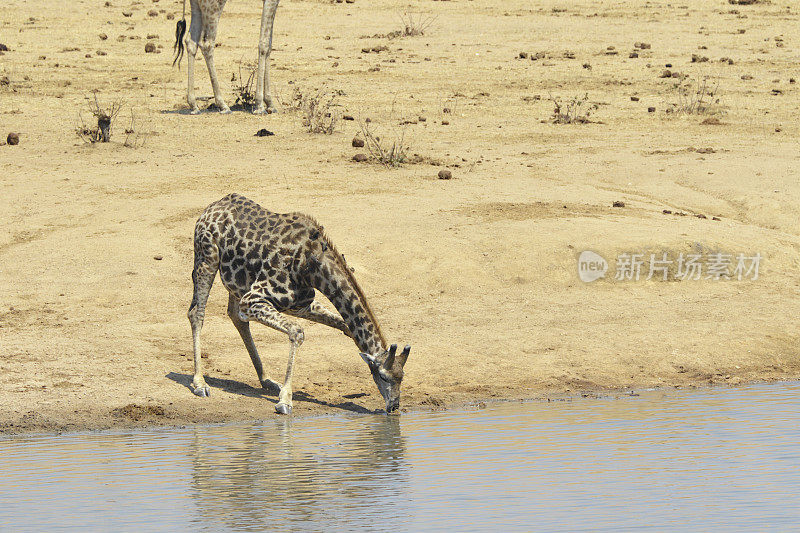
point(12, 139)
point(360, 158)
point(358, 143)
point(445, 174)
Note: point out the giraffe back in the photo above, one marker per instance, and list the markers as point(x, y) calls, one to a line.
point(258, 249)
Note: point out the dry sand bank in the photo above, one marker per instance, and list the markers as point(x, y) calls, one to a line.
point(477, 273)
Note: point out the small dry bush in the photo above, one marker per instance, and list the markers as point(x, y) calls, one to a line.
point(319, 110)
point(243, 87)
point(103, 117)
point(697, 98)
point(414, 26)
point(578, 110)
point(390, 154)
point(134, 137)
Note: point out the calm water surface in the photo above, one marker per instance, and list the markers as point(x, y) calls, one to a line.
point(699, 460)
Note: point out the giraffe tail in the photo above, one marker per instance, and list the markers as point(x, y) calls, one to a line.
point(180, 31)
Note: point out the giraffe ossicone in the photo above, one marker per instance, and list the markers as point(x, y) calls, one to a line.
point(272, 265)
point(202, 33)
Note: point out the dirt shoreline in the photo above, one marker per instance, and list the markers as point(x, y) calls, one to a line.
point(479, 273)
point(152, 416)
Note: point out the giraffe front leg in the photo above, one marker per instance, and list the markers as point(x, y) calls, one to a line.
point(317, 312)
point(253, 306)
point(243, 327)
point(264, 101)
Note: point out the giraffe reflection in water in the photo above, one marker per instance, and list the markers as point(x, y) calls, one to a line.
point(276, 475)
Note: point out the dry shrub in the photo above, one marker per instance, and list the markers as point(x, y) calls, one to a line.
point(575, 111)
point(413, 27)
point(243, 88)
point(319, 110)
point(103, 116)
point(388, 154)
point(697, 98)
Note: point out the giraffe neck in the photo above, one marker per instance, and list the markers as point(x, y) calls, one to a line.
point(336, 282)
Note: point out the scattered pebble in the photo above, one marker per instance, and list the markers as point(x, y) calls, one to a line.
point(711, 121)
point(699, 59)
point(666, 73)
point(158, 257)
point(3, 48)
point(150, 48)
point(103, 36)
point(634, 98)
point(360, 158)
point(618, 203)
point(651, 109)
point(263, 132)
point(633, 55)
point(445, 174)
point(127, 13)
point(348, 117)
point(358, 143)
point(152, 13)
point(445, 123)
point(12, 139)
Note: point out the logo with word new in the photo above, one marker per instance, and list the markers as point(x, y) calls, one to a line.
point(591, 266)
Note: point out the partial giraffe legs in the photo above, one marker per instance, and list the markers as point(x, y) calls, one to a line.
point(253, 306)
point(243, 327)
point(190, 42)
point(318, 313)
point(203, 277)
point(264, 102)
point(203, 33)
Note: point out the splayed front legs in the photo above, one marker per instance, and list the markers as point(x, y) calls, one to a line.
point(253, 306)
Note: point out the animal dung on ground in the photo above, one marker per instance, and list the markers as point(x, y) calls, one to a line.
point(12, 139)
point(360, 158)
point(358, 143)
point(445, 174)
point(263, 132)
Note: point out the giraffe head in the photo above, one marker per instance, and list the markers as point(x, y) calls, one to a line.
point(387, 371)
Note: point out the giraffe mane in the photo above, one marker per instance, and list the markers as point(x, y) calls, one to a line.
point(342, 264)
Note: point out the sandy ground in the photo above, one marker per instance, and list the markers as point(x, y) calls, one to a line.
point(478, 273)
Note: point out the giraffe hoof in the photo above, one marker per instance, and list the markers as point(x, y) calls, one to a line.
point(261, 110)
point(203, 392)
point(283, 409)
point(225, 111)
point(270, 386)
point(194, 111)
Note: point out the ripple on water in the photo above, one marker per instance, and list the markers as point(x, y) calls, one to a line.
point(709, 459)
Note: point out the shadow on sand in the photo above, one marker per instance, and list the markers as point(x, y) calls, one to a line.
point(243, 389)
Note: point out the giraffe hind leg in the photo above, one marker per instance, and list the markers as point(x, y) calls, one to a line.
point(205, 269)
point(191, 41)
point(264, 101)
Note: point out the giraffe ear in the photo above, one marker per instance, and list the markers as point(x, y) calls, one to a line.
point(368, 359)
point(403, 357)
point(389, 361)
